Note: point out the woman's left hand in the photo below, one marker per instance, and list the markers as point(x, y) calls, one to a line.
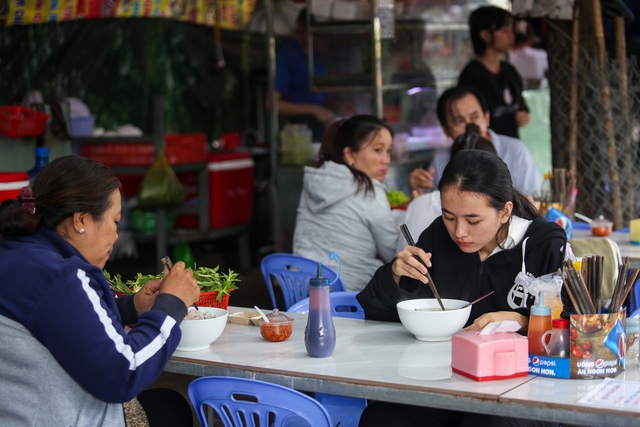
point(143, 299)
point(498, 316)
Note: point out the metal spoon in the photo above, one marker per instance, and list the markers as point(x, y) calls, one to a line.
point(476, 300)
point(464, 306)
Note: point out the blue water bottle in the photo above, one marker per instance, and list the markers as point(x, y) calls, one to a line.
point(320, 333)
point(42, 158)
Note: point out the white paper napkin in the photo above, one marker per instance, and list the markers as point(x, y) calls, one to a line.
point(498, 327)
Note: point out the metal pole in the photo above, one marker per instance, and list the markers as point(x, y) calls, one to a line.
point(377, 58)
point(273, 110)
point(161, 213)
point(158, 123)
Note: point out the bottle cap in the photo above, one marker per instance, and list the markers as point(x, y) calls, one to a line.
point(42, 151)
point(319, 281)
point(560, 323)
point(632, 325)
point(540, 309)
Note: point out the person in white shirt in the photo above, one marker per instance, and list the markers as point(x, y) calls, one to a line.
point(532, 63)
point(457, 107)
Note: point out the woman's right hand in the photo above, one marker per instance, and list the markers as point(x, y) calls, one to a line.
point(407, 265)
point(421, 180)
point(179, 281)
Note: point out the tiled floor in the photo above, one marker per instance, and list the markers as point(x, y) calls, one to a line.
point(251, 290)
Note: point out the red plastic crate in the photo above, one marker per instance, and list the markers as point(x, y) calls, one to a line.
point(210, 299)
point(21, 122)
point(185, 148)
point(11, 183)
point(120, 153)
point(178, 149)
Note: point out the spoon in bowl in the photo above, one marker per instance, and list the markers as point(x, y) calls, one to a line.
point(264, 317)
point(476, 300)
point(464, 306)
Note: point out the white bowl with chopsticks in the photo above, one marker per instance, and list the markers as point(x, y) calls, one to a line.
point(427, 322)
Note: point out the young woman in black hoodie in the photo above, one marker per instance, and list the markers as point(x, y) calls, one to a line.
point(476, 246)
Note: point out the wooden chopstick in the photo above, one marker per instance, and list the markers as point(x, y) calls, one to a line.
point(407, 236)
point(576, 306)
point(578, 288)
point(585, 287)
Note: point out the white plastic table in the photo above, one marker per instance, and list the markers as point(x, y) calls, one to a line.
point(383, 361)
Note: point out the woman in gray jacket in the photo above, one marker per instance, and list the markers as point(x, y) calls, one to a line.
point(343, 206)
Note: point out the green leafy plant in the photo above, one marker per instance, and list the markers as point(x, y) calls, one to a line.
point(209, 280)
point(116, 283)
point(396, 197)
point(130, 286)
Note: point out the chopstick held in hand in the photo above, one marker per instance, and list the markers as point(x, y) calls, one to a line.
point(410, 242)
point(167, 261)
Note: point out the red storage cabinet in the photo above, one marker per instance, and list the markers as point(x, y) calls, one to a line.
point(230, 190)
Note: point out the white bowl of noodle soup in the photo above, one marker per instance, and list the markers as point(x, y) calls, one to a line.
point(201, 328)
point(427, 322)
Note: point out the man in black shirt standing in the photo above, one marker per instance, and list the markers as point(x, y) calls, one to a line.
point(492, 37)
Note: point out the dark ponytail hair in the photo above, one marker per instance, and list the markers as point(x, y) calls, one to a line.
point(65, 186)
point(485, 173)
point(471, 139)
point(352, 133)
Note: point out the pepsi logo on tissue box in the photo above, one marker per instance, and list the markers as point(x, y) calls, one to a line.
point(491, 356)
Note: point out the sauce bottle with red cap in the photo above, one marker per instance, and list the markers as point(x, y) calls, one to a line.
point(539, 323)
point(558, 339)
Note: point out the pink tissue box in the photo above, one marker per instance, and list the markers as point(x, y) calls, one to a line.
point(490, 357)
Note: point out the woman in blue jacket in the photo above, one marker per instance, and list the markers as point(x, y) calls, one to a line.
point(66, 358)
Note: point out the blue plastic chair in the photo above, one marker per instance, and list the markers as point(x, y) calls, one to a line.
point(245, 402)
point(292, 273)
point(343, 304)
point(635, 297)
point(343, 409)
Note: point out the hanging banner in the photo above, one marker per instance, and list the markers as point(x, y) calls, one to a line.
point(234, 14)
point(90, 9)
point(22, 12)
